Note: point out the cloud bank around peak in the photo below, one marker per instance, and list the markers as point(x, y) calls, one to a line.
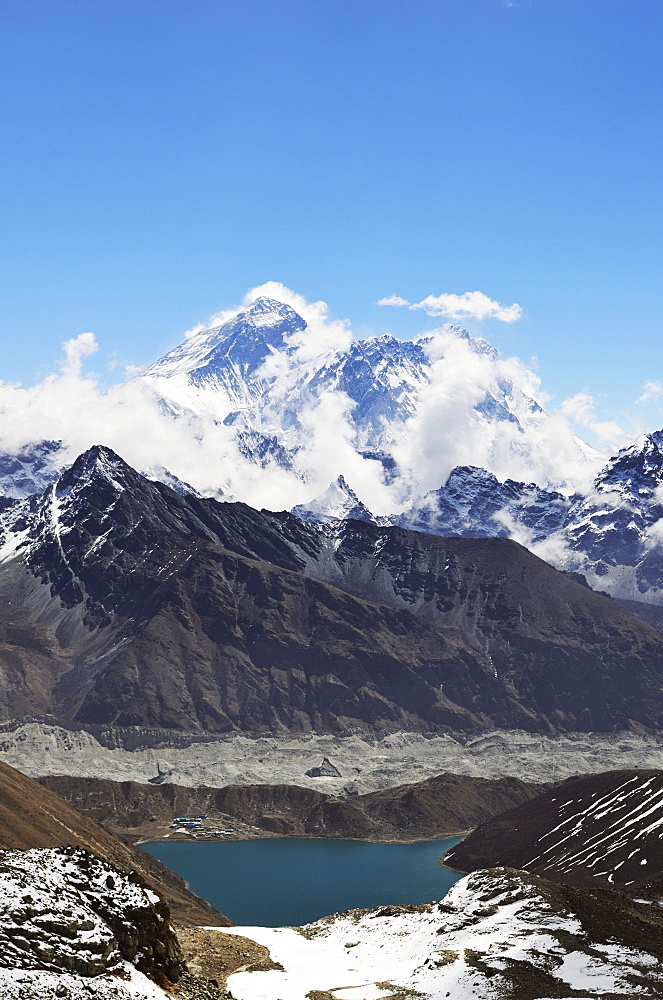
point(457, 417)
point(469, 305)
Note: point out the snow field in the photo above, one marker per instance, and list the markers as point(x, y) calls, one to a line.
point(490, 919)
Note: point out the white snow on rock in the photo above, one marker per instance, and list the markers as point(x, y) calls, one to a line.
point(339, 501)
point(124, 983)
point(30, 470)
point(601, 834)
point(62, 913)
point(491, 924)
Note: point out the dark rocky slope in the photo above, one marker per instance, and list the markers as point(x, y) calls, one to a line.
point(650, 613)
point(442, 806)
point(600, 829)
point(122, 602)
point(66, 911)
point(33, 816)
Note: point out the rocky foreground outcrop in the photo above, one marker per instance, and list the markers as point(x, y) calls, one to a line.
point(31, 816)
point(65, 911)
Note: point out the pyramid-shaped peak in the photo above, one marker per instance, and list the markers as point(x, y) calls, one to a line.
point(338, 502)
point(244, 340)
point(264, 311)
point(639, 466)
point(98, 462)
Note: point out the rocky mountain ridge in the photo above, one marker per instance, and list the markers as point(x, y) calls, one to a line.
point(590, 830)
point(262, 374)
point(135, 605)
point(443, 806)
point(612, 534)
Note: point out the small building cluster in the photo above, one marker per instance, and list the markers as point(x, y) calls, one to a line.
point(193, 826)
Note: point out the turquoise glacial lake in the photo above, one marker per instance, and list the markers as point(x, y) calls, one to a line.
point(286, 881)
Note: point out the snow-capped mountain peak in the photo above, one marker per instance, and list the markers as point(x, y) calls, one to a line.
point(636, 470)
point(246, 340)
point(250, 372)
point(30, 470)
point(338, 502)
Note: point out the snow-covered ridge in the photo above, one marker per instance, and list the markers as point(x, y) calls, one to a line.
point(263, 371)
point(290, 403)
point(597, 836)
point(497, 934)
point(612, 533)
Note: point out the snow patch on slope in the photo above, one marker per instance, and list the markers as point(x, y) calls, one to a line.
point(491, 924)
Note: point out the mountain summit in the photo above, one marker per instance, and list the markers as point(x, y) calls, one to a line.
point(265, 407)
point(244, 342)
point(292, 390)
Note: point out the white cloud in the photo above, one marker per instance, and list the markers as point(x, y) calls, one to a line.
point(393, 300)
point(474, 305)
point(444, 431)
point(321, 336)
point(650, 391)
point(447, 430)
point(75, 352)
point(329, 448)
point(581, 409)
point(73, 407)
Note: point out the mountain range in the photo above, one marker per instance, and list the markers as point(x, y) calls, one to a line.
point(611, 534)
point(258, 372)
point(125, 603)
point(290, 404)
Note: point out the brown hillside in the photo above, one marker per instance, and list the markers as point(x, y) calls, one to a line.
point(34, 816)
point(442, 806)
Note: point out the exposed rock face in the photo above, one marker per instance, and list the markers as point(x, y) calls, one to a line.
point(132, 605)
point(650, 613)
point(600, 829)
point(324, 770)
point(31, 816)
point(611, 532)
point(473, 503)
point(65, 910)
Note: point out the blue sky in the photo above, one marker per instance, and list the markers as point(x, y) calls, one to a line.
point(160, 158)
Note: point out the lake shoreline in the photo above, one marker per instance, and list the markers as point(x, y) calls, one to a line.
point(291, 881)
point(266, 835)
